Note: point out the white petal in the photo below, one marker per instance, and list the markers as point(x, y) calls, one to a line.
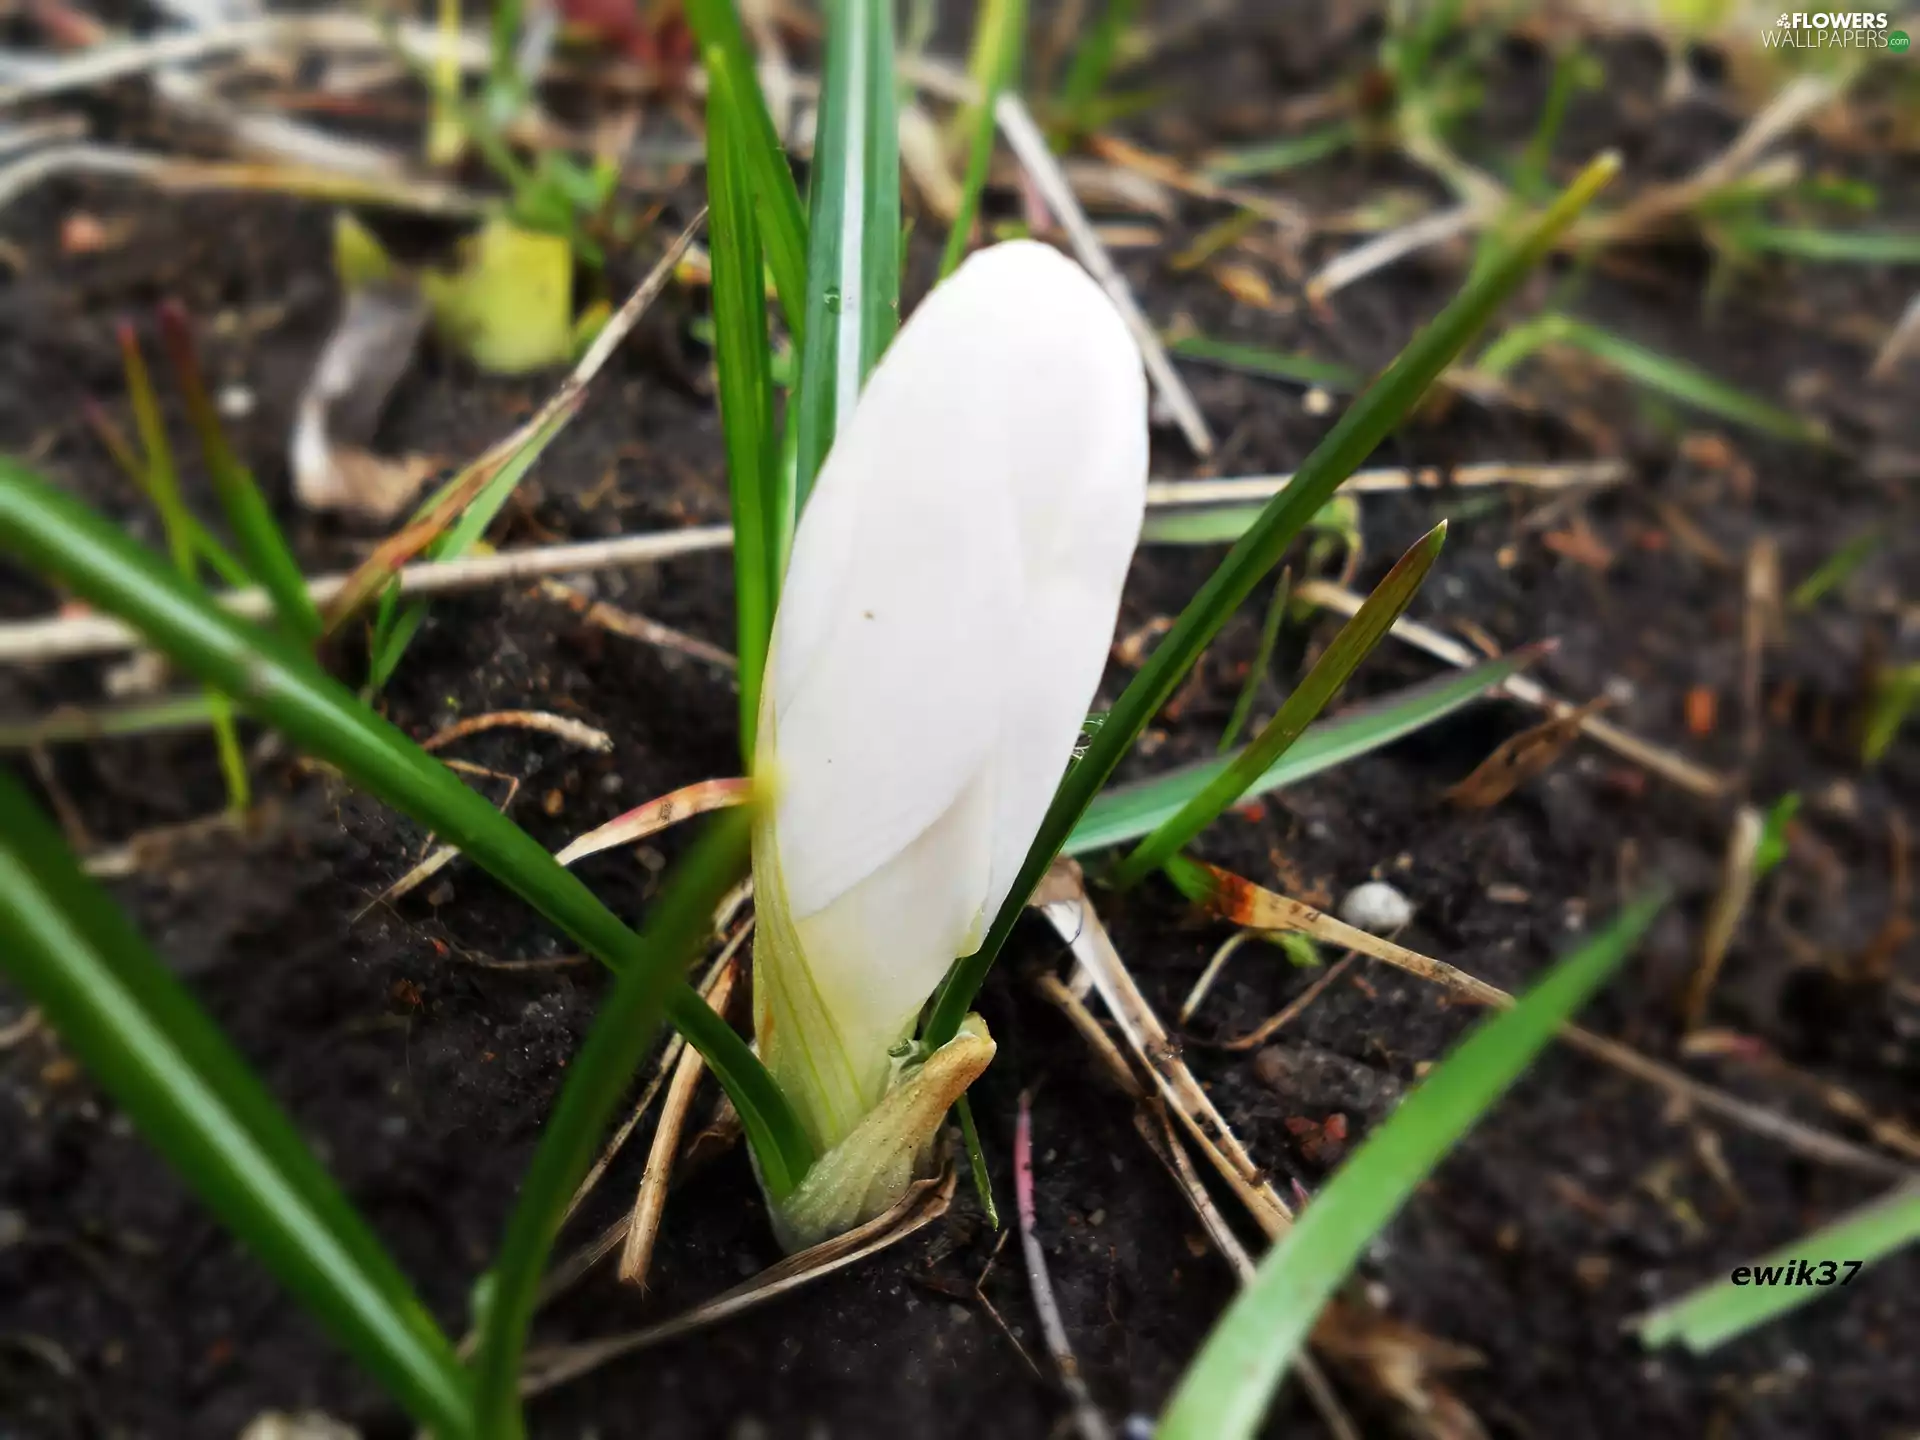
point(877, 951)
point(945, 621)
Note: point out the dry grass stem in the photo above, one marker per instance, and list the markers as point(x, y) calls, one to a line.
point(1250, 904)
point(1294, 1008)
point(1063, 900)
point(1695, 779)
point(574, 732)
point(926, 1202)
point(1087, 1418)
point(643, 1223)
point(637, 627)
point(1729, 907)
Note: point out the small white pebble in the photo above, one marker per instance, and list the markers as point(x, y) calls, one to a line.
point(234, 402)
point(1376, 907)
point(1316, 402)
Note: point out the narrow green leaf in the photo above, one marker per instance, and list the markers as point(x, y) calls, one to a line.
point(1573, 69)
point(57, 535)
point(1371, 418)
point(206, 546)
point(1774, 843)
point(1276, 157)
point(1224, 524)
point(1851, 247)
point(70, 949)
point(1895, 700)
point(1262, 661)
point(1225, 1391)
point(395, 624)
point(163, 484)
point(977, 1160)
point(1334, 668)
point(146, 717)
point(853, 262)
point(742, 363)
point(734, 83)
point(1836, 568)
point(623, 1028)
point(1264, 361)
point(998, 36)
point(1093, 61)
point(269, 558)
point(1707, 1318)
point(1126, 812)
point(1661, 374)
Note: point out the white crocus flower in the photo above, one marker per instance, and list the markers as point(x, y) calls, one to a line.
point(944, 623)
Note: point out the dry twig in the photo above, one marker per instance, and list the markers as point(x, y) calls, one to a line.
point(1086, 1415)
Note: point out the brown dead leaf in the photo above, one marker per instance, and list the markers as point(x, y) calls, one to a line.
point(1403, 1364)
point(1244, 284)
point(1530, 753)
point(1579, 544)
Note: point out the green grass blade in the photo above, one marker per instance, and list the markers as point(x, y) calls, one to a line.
point(742, 361)
point(596, 1080)
point(269, 558)
point(146, 717)
point(60, 537)
point(1895, 700)
point(1224, 524)
point(72, 951)
point(999, 35)
point(1370, 419)
point(1707, 1318)
point(163, 484)
point(1661, 374)
point(1200, 524)
point(733, 83)
point(1851, 247)
point(1126, 812)
point(395, 624)
point(1224, 1393)
point(162, 478)
point(1271, 364)
point(1093, 61)
point(977, 1160)
point(1279, 156)
point(206, 546)
point(1836, 568)
point(1334, 668)
point(1262, 661)
point(853, 264)
point(1573, 70)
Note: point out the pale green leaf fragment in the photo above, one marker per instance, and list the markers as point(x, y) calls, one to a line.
point(509, 305)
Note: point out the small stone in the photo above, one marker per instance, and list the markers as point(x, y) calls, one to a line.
point(440, 894)
point(1317, 402)
point(234, 402)
point(1376, 907)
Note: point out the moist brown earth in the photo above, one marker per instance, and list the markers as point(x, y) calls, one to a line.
point(421, 1072)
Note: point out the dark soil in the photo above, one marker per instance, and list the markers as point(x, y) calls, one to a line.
point(422, 1075)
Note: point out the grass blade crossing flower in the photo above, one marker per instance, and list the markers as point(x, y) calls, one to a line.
point(940, 636)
